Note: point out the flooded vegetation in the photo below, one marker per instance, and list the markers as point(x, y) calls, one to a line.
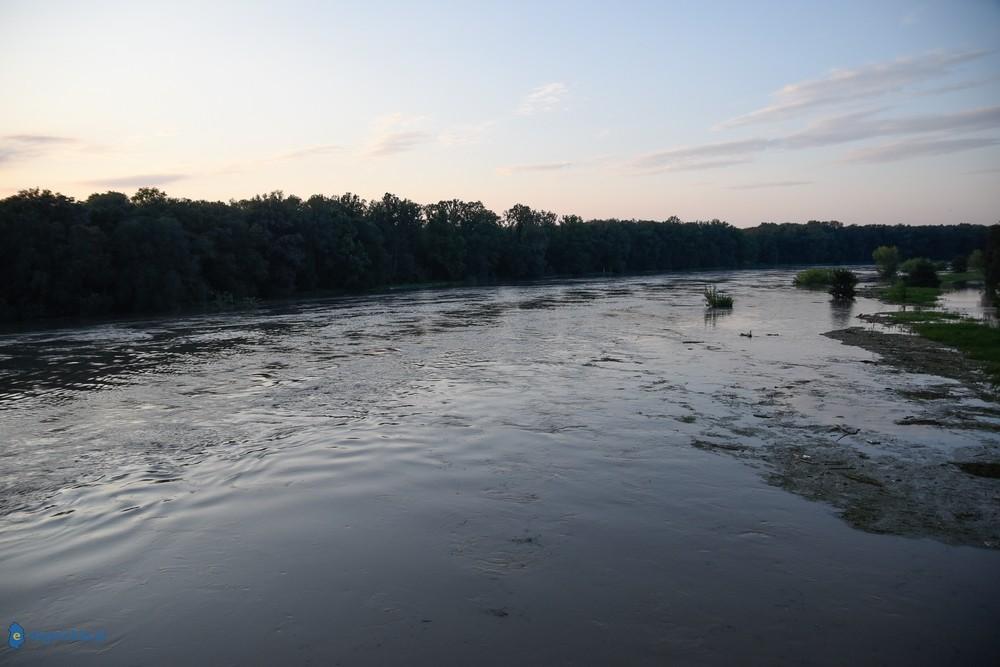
point(556, 472)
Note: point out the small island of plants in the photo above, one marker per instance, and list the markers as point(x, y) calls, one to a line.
point(716, 299)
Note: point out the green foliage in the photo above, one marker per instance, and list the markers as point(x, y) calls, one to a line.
point(977, 261)
point(887, 260)
point(920, 272)
point(813, 278)
point(842, 285)
point(716, 299)
point(991, 262)
point(960, 279)
point(976, 339)
point(115, 255)
point(959, 264)
point(902, 293)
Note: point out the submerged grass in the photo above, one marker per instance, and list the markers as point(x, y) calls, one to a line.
point(813, 278)
point(914, 316)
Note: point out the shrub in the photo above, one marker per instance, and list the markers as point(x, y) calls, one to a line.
point(991, 263)
point(960, 264)
point(920, 272)
point(917, 296)
point(716, 299)
point(842, 285)
point(887, 259)
point(976, 261)
point(813, 278)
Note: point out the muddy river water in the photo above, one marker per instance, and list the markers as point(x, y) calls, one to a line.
point(574, 472)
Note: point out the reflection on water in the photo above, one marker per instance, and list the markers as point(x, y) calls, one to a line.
point(479, 475)
point(840, 314)
point(970, 302)
point(713, 315)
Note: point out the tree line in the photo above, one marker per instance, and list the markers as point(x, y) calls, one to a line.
point(115, 255)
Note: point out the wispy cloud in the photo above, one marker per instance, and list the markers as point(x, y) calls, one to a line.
point(39, 139)
point(15, 147)
point(396, 133)
point(770, 184)
point(866, 125)
point(138, 180)
point(849, 85)
point(705, 156)
point(310, 151)
point(464, 135)
point(904, 150)
point(959, 85)
point(544, 166)
point(543, 98)
point(398, 142)
point(843, 129)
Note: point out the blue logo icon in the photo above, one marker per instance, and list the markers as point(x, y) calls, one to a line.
point(15, 635)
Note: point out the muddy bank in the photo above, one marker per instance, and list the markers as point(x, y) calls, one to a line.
point(949, 501)
point(953, 497)
point(915, 354)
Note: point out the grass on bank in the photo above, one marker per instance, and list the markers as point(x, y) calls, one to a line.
point(976, 340)
point(959, 279)
point(902, 294)
point(813, 278)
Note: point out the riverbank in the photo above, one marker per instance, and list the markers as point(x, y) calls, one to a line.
point(916, 354)
point(956, 500)
point(940, 336)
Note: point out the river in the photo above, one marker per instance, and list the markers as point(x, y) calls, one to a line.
point(556, 473)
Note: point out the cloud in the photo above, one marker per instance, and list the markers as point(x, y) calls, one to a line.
point(310, 151)
point(545, 166)
point(464, 135)
point(770, 184)
point(398, 142)
point(14, 147)
point(705, 156)
point(138, 180)
point(848, 85)
point(960, 85)
point(846, 128)
point(707, 164)
point(993, 170)
point(542, 99)
point(39, 139)
point(918, 148)
point(865, 125)
point(395, 133)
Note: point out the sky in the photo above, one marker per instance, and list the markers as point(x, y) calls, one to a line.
point(863, 112)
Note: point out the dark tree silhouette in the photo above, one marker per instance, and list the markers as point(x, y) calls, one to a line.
point(112, 255)
point(842, 285)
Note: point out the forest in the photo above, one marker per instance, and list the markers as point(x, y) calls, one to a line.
point(116, 255)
